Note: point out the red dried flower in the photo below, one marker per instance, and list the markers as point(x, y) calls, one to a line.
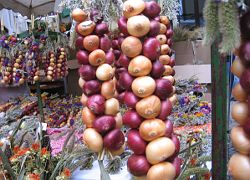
point(66, 172)
point(21, 152)
point(34, 176)
point(35, 146)
point(207, 176)
point(16, 149)
point(44, 151)
point(193, 162)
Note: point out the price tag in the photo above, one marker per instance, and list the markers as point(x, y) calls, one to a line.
point(44, 126)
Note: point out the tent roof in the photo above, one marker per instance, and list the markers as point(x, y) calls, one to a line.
point(27, 7)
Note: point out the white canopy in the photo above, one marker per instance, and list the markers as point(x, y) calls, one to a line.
point(27, 7)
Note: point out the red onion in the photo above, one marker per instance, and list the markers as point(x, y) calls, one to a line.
point(104, 124)
point(101, 29)
point(117, 53)
point(123, 61)
point(163, 88)
point(154, 28)
point(87, 72)
point(125, 80)
point(79, 42)
point(119, 88)
point(138, 165)
point(120, 40)
point(244, 53)
point(110, 57)
point(246, 126)
point(96, 104)
point(132, 119)
point(152, 9)
point(169, 128)
point(119, 71)
point(115, 44)
point(170, 42)
point(173, 72)
point(166, 109)
point(135, 142)
point(177, 144)
point(105, 44)
point(130, 99)
point(172, 62)
point(91, 87)
point(151, 48)
point(82, 57)
point(157, 18)
point(157, 69)
point(169, 33)
point(177, 164)
point(114, 139)
point(122, 24)
point(96, 16)
point(245, 80)
point(121, 97)
point(244, 26)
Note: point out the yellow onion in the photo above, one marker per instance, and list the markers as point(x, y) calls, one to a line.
point(85, 28)
point(165, 59)
point(149, 107)
point(162, 171)
point(81, 82)
point(140, 66)
point(163, 29)
point(105, 72)
point(112, 106)
point(168, 70)
point(93, 140)
point(108, 89)
point(91, 42)
point(152, 129)
point(239, 93)
point(165, 20)
point(88, 117)
point(165, 49)
point(97, 57)
point(240, 112)
point(240, 140)
point(138, 26)
point(159, 149)
point(84, 99)
point(237, 67)
point(239, 167)
point(118, 119)
point(131, 46)
point(173, 99)
point(79, 15)
point(143, 86)
point(132, 8)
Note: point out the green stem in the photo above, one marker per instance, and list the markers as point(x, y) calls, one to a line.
point(104, 174)
point(6, 165)
point(190, 147)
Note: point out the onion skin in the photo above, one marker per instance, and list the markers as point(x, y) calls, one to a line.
point(163, 28)
point(105, 72)
point(164, 59)
point(135, 142)
point(240, 140)
point(152, 9)
point(79, 42)
point(165, 20)
point(152, 129)
point(112, 106)
point(169, 128)
point(93, 139)
point(177, 164)
point(115, 44)
point(143, 86)
point(140, 66)
point(157, 70)
point(131, 119)
point(138, 26)
point(154, 28)
point(165, 49)
point(169, 33)
point(237, 67)
point(96, 104)
point(79, 15)
point(240, 112)
point(138, 165)
point(101, 29)
point(82, 57)
point(91, 42)
point(151, 48)
point(110, 57)
point(132, 8)
point(117, 53)
point(177, 143)
point(105, 44)
point(104, 124)
point(114, 139)
point(125, 80)
point(162, 171)
point(159, 149)
point(88, 117)
point(121, 97)
point(239, 166)
point(166, 109)
point(118, 120)
point(131, 46)
point(86, 28)
point(245, 80)
point(149, 107)
point(92, 87)
point(84, 99)
point(122, 24)
point(170, 78)
point(168, 70)
point(87, 72)
point(97, 57)
point(108, 89)
point(162, 39)
point(123, 61)
point(130, 99)
point(239, 93)
point(164, 88)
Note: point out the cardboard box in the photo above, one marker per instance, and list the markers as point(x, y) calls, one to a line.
point(192, 52)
